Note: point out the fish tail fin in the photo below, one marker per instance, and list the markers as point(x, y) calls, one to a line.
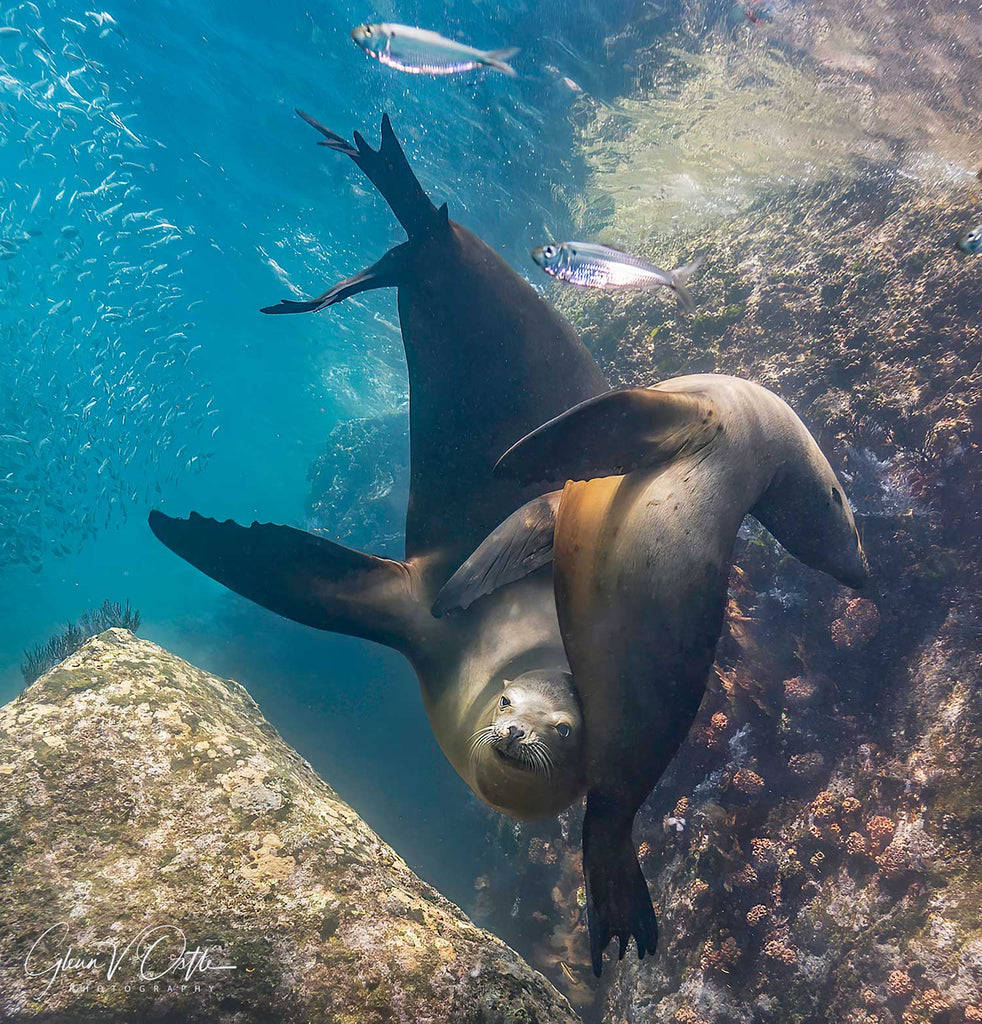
point(618, 903)
point(678, 278)
point(387, 273)
point(498, 59)
point(388, 170)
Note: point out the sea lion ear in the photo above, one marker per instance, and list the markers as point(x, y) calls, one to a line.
point(613, 434)
point(519, 546)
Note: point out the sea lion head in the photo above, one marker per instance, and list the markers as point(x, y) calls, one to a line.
point(807, 510)
point(527, 754)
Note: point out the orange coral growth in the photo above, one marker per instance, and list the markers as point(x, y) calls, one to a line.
point(880, 830)
point(859, 623)
point(799, 691)
point(720, 958)
point(756, 914)
point(806, 765)
point(744, 878)
point(762, 849)
point(899, 984)
point(748, 782)
point(778, 951)
point(856, 843)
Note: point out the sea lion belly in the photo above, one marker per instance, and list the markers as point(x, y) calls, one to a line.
point(640, 596)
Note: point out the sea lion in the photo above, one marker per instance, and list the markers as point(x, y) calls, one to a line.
point(487, 358)
point(660, 480)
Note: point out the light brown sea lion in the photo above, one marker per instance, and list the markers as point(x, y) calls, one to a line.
point(660, 480)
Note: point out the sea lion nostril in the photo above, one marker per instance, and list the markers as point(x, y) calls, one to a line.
point(514, 734)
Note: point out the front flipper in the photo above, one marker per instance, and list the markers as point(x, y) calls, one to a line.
point(520, 545)
point(387, 273)
point(617, 899)
point(302, 577)
point(613, 434)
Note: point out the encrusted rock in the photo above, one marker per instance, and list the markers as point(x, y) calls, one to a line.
point(144, 799)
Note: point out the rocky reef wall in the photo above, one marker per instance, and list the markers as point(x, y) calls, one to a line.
point(814, 849)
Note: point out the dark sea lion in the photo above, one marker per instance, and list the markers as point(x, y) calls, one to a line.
point(488, 359)
point(641, 544)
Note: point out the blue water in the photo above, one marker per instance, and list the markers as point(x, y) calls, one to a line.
point(193, 118)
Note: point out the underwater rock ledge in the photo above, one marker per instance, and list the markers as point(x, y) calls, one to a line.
point(140, 792)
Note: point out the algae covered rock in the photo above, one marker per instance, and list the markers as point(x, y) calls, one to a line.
point(164, 855)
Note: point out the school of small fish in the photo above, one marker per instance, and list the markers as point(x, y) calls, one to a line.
point(98, 405)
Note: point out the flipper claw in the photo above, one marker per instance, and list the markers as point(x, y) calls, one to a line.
point(334, 141)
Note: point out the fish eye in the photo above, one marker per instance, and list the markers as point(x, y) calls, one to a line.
point(563, 730)
point(549, 251)
point(504, 702)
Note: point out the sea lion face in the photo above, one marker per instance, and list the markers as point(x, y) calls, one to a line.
point(815, 523)
point(528, 756)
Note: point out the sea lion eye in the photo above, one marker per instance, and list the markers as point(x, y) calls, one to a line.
point(836, 496)
point(563, 730)
point(504, 702)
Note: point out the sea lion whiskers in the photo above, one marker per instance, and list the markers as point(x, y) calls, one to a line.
point(482, 738)
point(536, 756)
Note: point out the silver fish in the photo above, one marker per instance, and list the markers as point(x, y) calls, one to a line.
point(598, 266)
point(421, 52)
point(971, 241)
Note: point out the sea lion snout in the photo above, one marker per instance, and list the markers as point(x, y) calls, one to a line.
point(856, 574)
point(507, 737)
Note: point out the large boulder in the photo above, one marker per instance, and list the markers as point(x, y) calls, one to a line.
point(148, 810)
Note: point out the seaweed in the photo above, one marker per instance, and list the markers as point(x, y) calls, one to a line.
point(67, 641)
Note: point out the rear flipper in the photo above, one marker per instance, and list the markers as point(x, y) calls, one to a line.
point(304, 577)
point(617, 899)
point(388, 170)
point(387, 273)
